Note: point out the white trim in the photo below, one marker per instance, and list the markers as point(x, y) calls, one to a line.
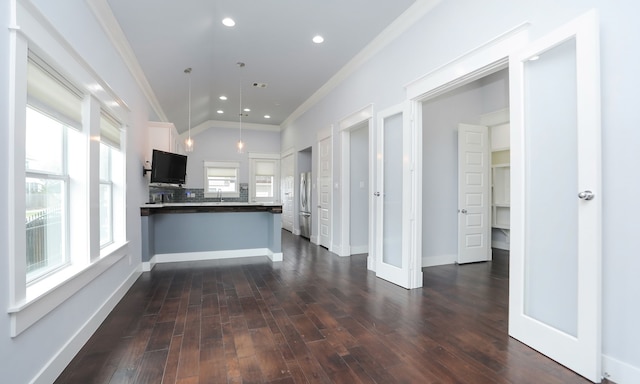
point(618, 371)
point(324, 133)
point(287, 152)
point(314, 239)
point(501, 116)
point(358, 249)
point(433, 261)
point(405, 21)
point(274, 256)
point(214, 255)
point(54, 367)
point(26, 314)
point(480, 61)
point(349, 122)
point(346, 126)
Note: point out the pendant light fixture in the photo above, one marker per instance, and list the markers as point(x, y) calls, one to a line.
point(240, 144)
point(188, 144)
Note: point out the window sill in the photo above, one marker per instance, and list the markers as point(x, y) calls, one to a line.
point(46, 295)
point(215, 195)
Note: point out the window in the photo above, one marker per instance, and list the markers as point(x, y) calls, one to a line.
point(221, 179)
point(264, 176)
point(53, 114)
point(109, 172)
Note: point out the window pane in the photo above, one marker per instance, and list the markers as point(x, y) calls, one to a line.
point(264, 186)
point(105, 163)
point(44, 143)
point(45, 225)
point(106, 212)
point(223, 184)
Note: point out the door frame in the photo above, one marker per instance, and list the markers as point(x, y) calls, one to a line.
point(324, 135)
point(346, 126)
point(473, 65)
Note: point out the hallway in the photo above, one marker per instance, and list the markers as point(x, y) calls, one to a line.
point(316, 318)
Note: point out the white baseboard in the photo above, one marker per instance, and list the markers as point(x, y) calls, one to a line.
point(619, 372)
point(210, 255)
point(275, 256)
point(148, 265)
point(59, 362)
point(314, 240)
point(432, 261)
point(500, 245)
point(358, 249)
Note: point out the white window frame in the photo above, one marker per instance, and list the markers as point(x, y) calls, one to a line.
point(62, 176)
point(264, 157)
point(221, 164)
point(28, 303)
point(107, 181)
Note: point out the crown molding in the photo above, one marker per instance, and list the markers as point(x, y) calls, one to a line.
point(405, 21)
point(112, 29)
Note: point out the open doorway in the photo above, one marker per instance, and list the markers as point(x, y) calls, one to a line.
point(473, 103)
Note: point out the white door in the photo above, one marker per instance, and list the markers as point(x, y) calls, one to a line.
point(555, 278)
point(474, 190)
point(391, 202)
point(286, 188)
point(324, 193)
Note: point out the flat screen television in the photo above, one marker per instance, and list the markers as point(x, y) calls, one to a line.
point(168, 168)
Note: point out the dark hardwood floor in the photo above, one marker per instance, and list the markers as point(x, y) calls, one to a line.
point(314, 318)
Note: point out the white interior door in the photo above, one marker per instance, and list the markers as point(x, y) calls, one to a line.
point(474, 190)
point(324, 194)
point(392, 255)
point(287, 192)
point(555, 282)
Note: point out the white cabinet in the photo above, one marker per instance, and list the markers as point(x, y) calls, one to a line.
point(163, 136)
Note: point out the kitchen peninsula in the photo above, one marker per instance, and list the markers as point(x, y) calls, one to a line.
point(209, 230)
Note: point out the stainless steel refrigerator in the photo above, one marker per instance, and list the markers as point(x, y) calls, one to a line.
point(305, 204)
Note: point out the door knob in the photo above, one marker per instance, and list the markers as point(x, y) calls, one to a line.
point(586, 195)
point(376, 194)
point(464, 211)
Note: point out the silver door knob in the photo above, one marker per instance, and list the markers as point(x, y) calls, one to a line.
point(376, 194)
point(464, 211)
point(586, 195)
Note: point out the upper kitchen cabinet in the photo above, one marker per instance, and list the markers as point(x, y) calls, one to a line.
point(165, 137)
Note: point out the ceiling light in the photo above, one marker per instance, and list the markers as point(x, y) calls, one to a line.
point(223, 97)
point(220, 111)
point(188, 144)
point(267, 116)
point(318, 39)
point(228, 22)
point(247, 109)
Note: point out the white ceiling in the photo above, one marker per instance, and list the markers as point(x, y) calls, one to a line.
point(273, 38)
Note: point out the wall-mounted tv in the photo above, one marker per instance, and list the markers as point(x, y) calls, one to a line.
point(168, 168)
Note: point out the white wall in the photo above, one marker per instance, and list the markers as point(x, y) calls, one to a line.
point(219, 144)
point(44, 349)
point(455, 27)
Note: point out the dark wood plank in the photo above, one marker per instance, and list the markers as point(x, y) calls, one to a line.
point(314, 318)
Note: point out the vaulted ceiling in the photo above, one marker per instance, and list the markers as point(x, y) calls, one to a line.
point(272, 37)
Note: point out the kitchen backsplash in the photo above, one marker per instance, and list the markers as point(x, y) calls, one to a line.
point(170, 194)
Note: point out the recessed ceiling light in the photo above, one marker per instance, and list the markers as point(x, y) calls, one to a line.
point(220, 111)
point(228, 22)
point(267, 116)
point(247, 109)
point(318, 39)
point(223, 97)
